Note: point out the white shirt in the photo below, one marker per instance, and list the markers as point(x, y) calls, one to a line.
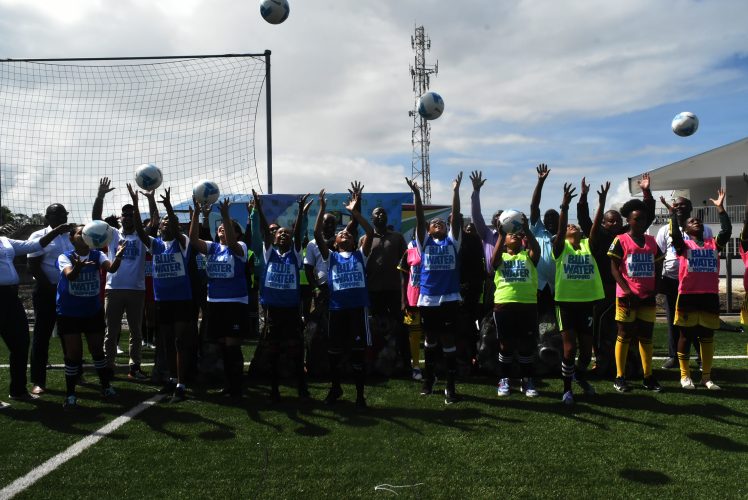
point(670, 265)
point(314, 258)
point(131, 272)
point(8, 251)
point(58, 246)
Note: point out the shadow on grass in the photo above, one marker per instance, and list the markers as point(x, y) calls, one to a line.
point(648, 477)
point(719, 443)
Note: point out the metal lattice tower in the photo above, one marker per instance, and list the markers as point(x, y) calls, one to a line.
point(421, 73)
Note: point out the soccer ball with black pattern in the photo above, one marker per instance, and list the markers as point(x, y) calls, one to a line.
point(274, 11)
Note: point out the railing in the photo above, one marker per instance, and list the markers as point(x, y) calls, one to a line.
point(708, 215)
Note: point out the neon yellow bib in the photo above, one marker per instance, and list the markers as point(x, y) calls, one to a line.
point(516, 280)
point(577, 276)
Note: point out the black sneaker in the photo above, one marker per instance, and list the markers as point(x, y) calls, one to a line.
point(651, 384)
point(451, 397)
point(428, 386)
point(178, 395)
point(24, 396)
point(621, 385)
point(168, 388)
point(333, 395)
point(275, 395)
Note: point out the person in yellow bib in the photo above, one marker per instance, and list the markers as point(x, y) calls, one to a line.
point(578, 287)
point(515, 310)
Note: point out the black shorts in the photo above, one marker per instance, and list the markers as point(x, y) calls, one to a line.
point(282, 323)
point(575, 316)
point(227, 319)
point(88, 325)
point(348, 328)
point(441, 319)
point(175, 311)
point(515, 320)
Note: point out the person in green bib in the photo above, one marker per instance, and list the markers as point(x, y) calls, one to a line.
point(515, 310)
point(578, 287)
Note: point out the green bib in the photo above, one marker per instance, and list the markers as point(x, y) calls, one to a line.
point(516, 280)
point(577, 276)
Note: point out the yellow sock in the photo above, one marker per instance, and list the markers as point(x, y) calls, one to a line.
point(707, 356)
point(645, 351)
point(685, 370)
point(415, 347)
point(622, 352)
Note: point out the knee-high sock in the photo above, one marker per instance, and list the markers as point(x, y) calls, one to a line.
point(645, 351)
point(707, 356)
point(359, 375)
point(622, 353)
point(233, 361)
point(72, 370)
point(429, 358)
point(567, 373)
point(103, 371)
point(526, 368)
point(415, 349)
point(450, 360)
point(334, 360)
point(505, 364)
point(685, 370)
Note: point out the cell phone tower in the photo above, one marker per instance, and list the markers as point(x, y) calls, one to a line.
point(421, 73)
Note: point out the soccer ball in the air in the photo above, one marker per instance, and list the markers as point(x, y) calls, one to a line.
point(206, 192)
point(148, 176)
point(685, 124)
point(274, 11)
point(511, 221)
point(97, 234)
point(430, 105)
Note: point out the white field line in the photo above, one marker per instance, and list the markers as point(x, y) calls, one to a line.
point(76, 449)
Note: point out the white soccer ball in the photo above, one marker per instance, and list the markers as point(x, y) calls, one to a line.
point(148, 176)
point(274, 11)
point(97, 234)
point(430, 105)
point(685, 124)
point(206, 192)
point(511, 221)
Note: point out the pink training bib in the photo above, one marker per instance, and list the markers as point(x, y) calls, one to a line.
point(699, 268)
point(414, 276)
point(638, 265)
point(744, 256)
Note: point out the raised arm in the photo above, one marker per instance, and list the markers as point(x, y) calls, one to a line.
point(139, 230)
point(725, 231)
point(357, 189)
point(172, 219)
point(602, 195)
point(200, 246)
point(543, 172)
point(112, 266)
point(456, 215)
point(533, 247)
point(420, 218)
point(583, 209)
point(228, 228)
point(559, 242)
point(476, 177)
point(368, 238)
point(319, 238)
point(498, 249)
point(267, 238)
point(153, 214)
point(675, 234)
point(98, 206)
point(649, 201)
point(303, 209)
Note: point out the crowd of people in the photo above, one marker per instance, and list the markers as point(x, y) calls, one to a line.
point(596, 281)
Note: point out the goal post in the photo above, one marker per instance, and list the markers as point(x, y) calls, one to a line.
point(66, 123)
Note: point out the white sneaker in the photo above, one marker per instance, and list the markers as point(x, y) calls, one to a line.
point(568, 398)
point(120, 351)
point(711, 385)
point(687, 383)
point(417, 374)
point(503, 389)
point(528, 387)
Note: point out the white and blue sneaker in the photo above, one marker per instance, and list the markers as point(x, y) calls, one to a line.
point(71, 402)
point(528, 387)
point(503, 389)
point(568, 398)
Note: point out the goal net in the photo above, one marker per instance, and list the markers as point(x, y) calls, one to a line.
point(64, 124)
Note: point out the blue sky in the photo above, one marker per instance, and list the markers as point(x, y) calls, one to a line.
point(588, 87)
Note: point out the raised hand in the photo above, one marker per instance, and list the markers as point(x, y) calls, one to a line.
point(602, 193)
point(568, 194)
point(585, 188)
point(644, 181)
point(322, 201)
point(166, 198)
point(413, 185)
point(304, 204)
point(150, 195)
point(356, 187)
point(456, 183)
point(525, 224)
point(120, 249)
point(223, 206)
point(667, 205)
point(476, 177)
point(720, 198)
point(198, 207)
point(133, 194)
point(351, 206)
point(104, 187)
point(543, 171)
point(256, 200)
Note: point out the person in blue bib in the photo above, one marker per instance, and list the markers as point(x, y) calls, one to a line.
point(176, 314)
point(439, 297)
point(280, 296)
point(348, 324)
point(79, 311)
point(228, 298)
point(578, 287)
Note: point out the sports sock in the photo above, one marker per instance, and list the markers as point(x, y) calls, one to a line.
point(645, 351)
point(71, 376)
point(102, 371)
point(622, 352)
point(450, 360)
point(359, 375)
point(685, 370)
point(567, 373)
point(415, 348)
point(429, 358)
point(707, 356)
point(505, 364)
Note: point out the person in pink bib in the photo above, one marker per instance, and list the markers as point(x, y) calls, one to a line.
point(636, 266)
point(743, 248)
point(697, 306)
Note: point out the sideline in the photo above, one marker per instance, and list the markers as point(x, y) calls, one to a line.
point(76, 449)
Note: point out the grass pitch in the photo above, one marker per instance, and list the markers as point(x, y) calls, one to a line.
point(636, 445)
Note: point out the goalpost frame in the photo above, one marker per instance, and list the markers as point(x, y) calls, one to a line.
point(268, 103)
